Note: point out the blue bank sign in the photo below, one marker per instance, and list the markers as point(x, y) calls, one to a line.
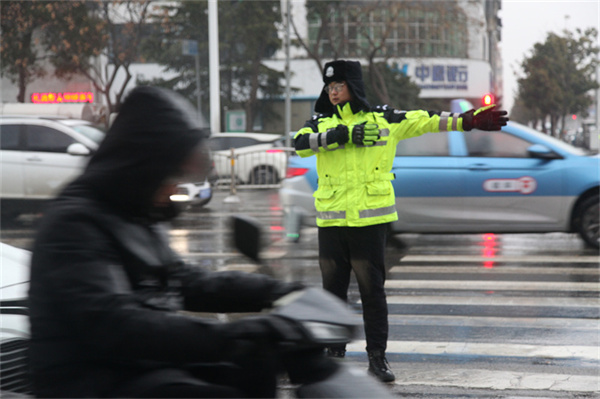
point(447, 77)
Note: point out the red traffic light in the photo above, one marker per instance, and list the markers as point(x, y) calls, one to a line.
point(488, 99)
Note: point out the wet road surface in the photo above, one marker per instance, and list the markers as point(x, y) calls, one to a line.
point(471, 316)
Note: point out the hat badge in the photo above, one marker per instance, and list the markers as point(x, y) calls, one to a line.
point(329, 72)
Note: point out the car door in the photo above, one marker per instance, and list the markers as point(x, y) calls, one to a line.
point(429, 185)
point(11, 147)
point(246, 155)
point(47, 165)
point(508, 189)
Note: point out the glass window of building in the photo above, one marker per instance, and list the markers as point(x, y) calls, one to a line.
point(402, 29)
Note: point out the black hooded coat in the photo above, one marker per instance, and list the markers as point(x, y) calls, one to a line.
point(105, 285)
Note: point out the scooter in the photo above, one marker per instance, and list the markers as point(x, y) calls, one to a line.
point(321, 320)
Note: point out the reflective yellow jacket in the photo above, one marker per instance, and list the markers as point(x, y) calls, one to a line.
point(355, 181)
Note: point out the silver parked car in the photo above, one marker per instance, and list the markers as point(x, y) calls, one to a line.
point(14, 322)
point(258, 157)
point(39, 156)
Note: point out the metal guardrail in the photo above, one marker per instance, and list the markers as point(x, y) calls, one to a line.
point(256, 169)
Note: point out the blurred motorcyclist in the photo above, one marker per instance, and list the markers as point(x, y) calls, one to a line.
point(107, 290)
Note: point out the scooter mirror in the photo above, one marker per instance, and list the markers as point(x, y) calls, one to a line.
point(247, 236)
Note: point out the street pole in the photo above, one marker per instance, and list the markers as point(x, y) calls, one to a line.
point(288, 93)
point(213, 64)
point(595, 135)
point(190, 47)
point(198, 91)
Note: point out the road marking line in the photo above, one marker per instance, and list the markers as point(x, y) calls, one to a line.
point(492, 285)
point(496, 380)
point(500, 322)
point(485, 349)
point(501, 258)
point(494, 270)
point(202, 255)
point(494, 301)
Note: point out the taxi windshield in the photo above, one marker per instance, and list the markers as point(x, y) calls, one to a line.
point(555, 142)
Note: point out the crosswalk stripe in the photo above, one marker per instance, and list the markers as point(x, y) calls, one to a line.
point(493, 321)
point(415, 281)
point(498, 380)
point(494, 270)
point(485, 349)
point(492, 285)
point(501, 258)
point(210, 255)
point(494, 301)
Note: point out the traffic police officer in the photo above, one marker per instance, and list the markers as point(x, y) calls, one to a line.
point(355, 146)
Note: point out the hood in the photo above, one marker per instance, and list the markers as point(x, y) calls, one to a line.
point(349, 71)
point(154, 132)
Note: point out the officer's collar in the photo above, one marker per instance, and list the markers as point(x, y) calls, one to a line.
point(347, 109)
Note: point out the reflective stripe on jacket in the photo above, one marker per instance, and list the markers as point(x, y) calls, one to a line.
point(355, 181)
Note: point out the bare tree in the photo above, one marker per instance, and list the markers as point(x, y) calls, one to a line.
point(89, 32)
point(21, 58)
point(379, 30)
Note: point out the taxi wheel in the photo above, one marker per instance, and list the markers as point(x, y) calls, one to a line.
point(587, 221)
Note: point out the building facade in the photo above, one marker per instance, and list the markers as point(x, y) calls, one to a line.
point(450, 49)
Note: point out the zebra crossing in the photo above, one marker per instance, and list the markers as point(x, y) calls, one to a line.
point(471, 316)
point(503, 326)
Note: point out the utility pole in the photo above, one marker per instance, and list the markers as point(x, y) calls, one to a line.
point(595, 134)
point(288, 94)
point(190, 47)
point(213, 66)
point(198, 90)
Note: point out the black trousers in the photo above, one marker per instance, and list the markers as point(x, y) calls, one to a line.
point(362, 250)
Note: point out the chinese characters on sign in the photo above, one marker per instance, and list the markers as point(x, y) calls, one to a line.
point(438, 76)
point(66, 97)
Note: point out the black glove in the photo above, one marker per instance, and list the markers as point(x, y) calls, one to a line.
point(338, 134)
point(485, 118)
point(268, 328)
point(365, 134)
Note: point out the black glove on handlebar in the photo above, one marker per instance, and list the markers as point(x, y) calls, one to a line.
point(485, 118)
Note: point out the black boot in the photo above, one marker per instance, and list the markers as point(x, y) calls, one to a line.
point(379, 366)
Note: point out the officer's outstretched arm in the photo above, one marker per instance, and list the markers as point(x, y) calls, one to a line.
point(405, 124)
point(413, 123)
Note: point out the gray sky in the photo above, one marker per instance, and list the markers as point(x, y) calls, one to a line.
point(526, 22)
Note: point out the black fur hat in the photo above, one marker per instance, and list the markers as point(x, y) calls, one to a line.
point(351, 73)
